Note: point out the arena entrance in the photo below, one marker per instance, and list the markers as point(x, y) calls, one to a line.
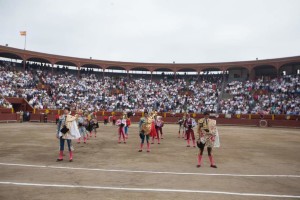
point(19, 104)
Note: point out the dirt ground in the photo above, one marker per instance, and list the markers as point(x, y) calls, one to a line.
point(244, 151)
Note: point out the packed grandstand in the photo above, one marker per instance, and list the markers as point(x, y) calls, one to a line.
point(44, 88)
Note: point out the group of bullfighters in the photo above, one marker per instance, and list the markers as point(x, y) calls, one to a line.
point(82, 126)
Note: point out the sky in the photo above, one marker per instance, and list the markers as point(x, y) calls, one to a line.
point(154, 31)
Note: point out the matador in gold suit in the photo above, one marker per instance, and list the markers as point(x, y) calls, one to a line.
point(207, 133)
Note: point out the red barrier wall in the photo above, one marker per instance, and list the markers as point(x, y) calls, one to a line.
point(5, 110)
point(8, 117)
point(279, 121)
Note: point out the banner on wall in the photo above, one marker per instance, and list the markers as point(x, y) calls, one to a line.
point(228, 116)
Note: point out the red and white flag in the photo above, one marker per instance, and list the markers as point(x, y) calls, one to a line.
point(23, 33)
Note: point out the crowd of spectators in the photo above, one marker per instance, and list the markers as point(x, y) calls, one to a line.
point(91, 92)
point(4, 103)
point(276, 96)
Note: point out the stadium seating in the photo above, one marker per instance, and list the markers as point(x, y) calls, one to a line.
point(91, 92)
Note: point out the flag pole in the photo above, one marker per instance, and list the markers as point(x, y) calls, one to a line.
point(25, 42)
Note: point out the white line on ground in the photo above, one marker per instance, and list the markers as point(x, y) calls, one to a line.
point(151, 172)
point(149, 189)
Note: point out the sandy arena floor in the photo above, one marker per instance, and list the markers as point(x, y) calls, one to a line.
point(250, 162)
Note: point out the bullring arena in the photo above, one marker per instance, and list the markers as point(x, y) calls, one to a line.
point(253, 163)
point(258, 157)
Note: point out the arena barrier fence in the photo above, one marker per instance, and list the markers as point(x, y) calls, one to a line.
point(40, 115)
